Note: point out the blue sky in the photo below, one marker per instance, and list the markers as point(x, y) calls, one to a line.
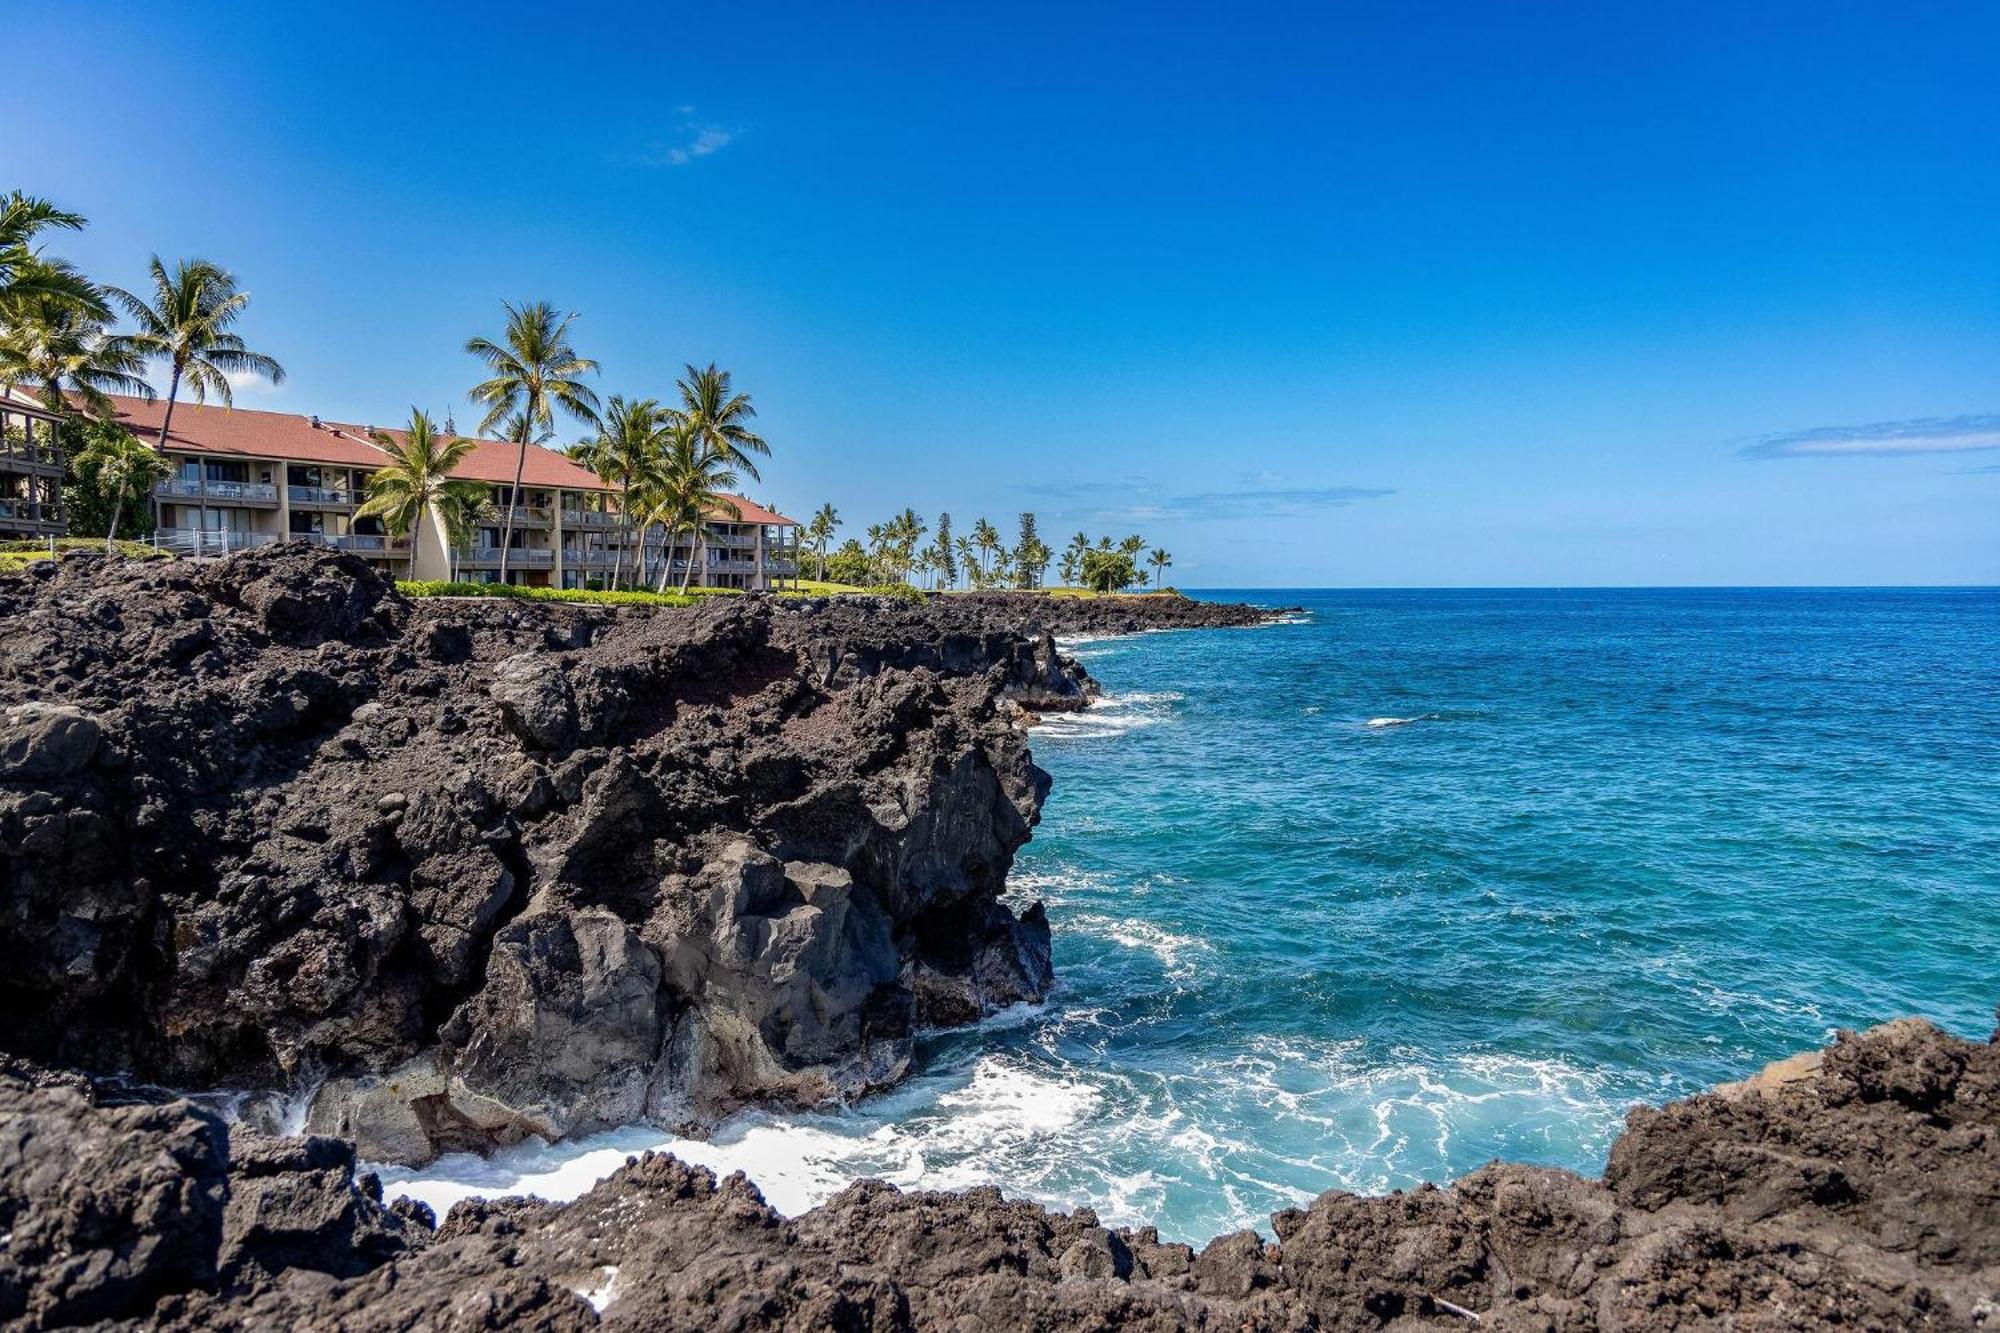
point(1346, 295)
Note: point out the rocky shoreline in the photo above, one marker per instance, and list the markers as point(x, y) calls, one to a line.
point(450, 874)
point(466, 872)
point(1857, 1190)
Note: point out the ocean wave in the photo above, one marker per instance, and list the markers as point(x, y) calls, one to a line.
point(1111, 715)
point(1399, 721)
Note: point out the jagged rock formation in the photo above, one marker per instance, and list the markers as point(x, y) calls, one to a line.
point(1858, 1192)
point(1126, 614)
point(497, 869)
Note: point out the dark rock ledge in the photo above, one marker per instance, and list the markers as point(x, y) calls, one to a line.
point(478, 870)
point(1858, 1190)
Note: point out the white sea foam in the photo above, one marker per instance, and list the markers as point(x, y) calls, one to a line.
point(1112, 715)
point(1400, 721)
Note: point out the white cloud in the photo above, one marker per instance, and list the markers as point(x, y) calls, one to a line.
point(694, 139)
point(248, 383)
point(1924, 435)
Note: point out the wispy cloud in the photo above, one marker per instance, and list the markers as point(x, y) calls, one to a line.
point(1078, 490)
point(1138, 500)
point(693, 138)
point(1925, 435)
point(248, 384)
point(1279, 502)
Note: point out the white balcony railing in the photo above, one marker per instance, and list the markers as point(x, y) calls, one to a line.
point(517, 558)
point(362, 543)
point(181, 488)
point(206, 542)
point(589, 518)
point(319, 495)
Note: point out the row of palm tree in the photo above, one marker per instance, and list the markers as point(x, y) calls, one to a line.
point(56, 336)
point(670, 465)
point(895, 552)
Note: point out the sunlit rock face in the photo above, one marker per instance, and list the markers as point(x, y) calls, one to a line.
point(483, 870)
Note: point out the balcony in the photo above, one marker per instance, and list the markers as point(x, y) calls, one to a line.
point(520, 557)
point(19, 455)
point(360, 543)
point(590, 518)
point(204, 542)
point(591, 559)
point(732, 540)
point(320, 497)
point(525, 516)
point(17, 513)
point(222, 492)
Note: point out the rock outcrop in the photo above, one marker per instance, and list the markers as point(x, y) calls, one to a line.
point(1863, 1194)
point(492, 869)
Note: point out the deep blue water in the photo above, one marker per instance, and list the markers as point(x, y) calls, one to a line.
point(1618, 845)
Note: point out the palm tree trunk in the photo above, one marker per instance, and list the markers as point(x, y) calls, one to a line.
point(694, 554)
point(416, 539)
point(667, 557)
point(520, 466)
point(625, 527)
point(118, 499)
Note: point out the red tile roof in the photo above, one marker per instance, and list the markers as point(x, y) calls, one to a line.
point(210, 429)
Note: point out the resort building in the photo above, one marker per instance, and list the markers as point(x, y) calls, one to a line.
point(31, 469)
point(245, 478)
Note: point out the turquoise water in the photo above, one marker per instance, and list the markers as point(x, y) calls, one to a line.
point(1428, 878)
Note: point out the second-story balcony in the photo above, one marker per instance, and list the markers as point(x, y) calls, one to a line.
point(519, 557)
point(526, 516)
point(590, 518)
point(217, 492)
point(321, 497)
point(361, 543)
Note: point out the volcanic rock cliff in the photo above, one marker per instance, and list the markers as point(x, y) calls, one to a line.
point(1860, 1190)
point(491, 869)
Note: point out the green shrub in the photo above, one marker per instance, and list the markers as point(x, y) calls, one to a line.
point(586, 596)
point(38, 547)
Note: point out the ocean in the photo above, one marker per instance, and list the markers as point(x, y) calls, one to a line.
point(1415, 880)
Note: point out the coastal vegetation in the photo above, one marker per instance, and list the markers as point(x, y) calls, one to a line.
point(981, 559)
point(418, 481)
point(673, 460)
point(534, 370)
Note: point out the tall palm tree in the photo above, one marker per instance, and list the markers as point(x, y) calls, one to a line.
point(418, 478)
point(1159, 560)
point(116, 459)
point(986, 539)
point(187, 325)
point(1072, 559)
point(534, 370)
point(819, 532)
point(26, 273)
point(62, 352)
point(719, 419)
point(695, 485)
point(629, 455)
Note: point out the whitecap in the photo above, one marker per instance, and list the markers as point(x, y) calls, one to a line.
point(1400, 721)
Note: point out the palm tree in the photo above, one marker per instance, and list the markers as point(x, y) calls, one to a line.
point(1159, 560)
point(117, 459)
point(187, 325)
point(695, 485)
point(1072, 559)
point(629, 454)
point(26, 274)
point(534, 370)
point(986, 539)
point(820, 531)
point(64, 353)
point(417, 478)
point(719, 419)
point(968, 558)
